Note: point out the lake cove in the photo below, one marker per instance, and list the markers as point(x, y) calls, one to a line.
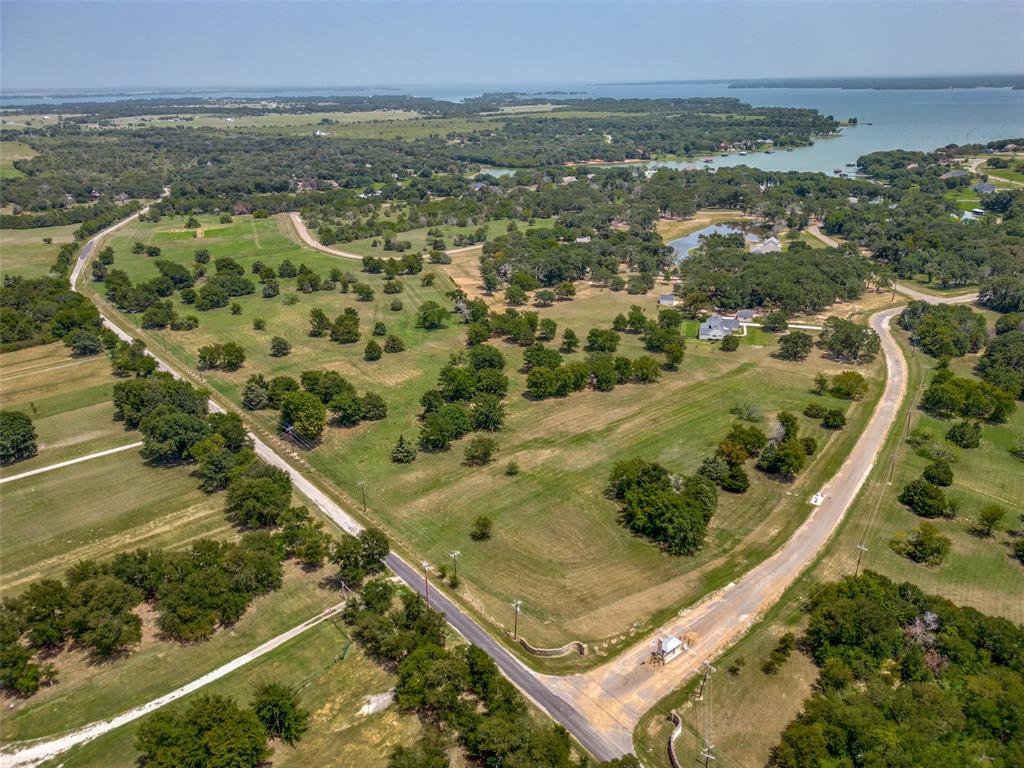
point(683, 245)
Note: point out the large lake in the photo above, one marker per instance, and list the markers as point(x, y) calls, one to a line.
point(900, 119)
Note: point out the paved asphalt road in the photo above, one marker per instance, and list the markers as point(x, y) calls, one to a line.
point(601, 707)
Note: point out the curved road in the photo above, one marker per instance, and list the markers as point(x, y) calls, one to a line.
point(602, 707)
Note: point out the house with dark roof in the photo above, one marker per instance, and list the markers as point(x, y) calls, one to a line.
point(984, 188)
point(953, 175)
point(745, 315)
point(716, 328)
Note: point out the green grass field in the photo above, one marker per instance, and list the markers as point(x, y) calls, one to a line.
point(23, 252)
point(557, 544)
point(334, 679)
point(94, 508)
point(751, 708)
point(11, 151)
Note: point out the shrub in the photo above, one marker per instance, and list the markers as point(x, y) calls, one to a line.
point(404, 452)
point(736, 481)
point(280, 347)
point(834, 419)
point(939, 473)
point(926, 545)
point(483, 528)
point(373, 351)
point(966, 434)
point(730, 344)
point(259, 324)
point(396, 305)
point(480, 450)
point(924, 498)
point(848, 385)
point(512, 469)
point(815, 411)
point(779, 654)
point(394, 344)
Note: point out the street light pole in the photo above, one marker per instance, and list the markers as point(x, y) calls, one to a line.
point(515, 627)
point(426, 582)
point(455, 562)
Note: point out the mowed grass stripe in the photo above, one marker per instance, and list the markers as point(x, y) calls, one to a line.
point(102, 499)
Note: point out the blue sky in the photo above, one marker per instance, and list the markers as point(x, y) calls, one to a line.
point(74, 45)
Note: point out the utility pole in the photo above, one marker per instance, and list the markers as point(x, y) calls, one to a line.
point(426, 582)
point(454, 554)
point(362, 488)
point(704, 695)
point(861, 549)
point(515, 626)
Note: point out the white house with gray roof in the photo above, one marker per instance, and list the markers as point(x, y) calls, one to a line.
point(716, 328)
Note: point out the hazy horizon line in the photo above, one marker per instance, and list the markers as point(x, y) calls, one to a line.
point(123, 88)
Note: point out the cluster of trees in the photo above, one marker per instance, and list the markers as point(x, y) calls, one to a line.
point(546, 258)
point(17, 437)
point(41, 310)
point(304, 403)
point(944, 330)
point(193, 591)
point(229, 356)
point(949, 395)
point(800, 279)
point(846, 341)
point(1002, 364)
point(468, 397)
point(941, 680)
point(212, 729)
point(54, 213)
point(671, 510)
point(785, 454)
point(457, 692)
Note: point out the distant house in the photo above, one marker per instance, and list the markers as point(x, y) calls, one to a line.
point(953, 175)
point(984, 188)
point(716, 328)
point(771, 245)
point(584, 239)
point(667, 300)
point(745, 315)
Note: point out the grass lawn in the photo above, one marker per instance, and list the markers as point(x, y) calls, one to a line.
point(557, 544)
point(334, 679)
point(752, 708)
point(11, 151)
point(23, 252)
point(964, 198)
point(86, 691)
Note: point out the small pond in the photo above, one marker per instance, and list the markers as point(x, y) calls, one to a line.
point(687, 243)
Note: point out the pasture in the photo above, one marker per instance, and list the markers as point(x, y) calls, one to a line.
point(557, 544)
point(11, 151)
point(751, 708)
point(23, 252)
point(88, 691)
point(334, 679)
point(95, 508)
